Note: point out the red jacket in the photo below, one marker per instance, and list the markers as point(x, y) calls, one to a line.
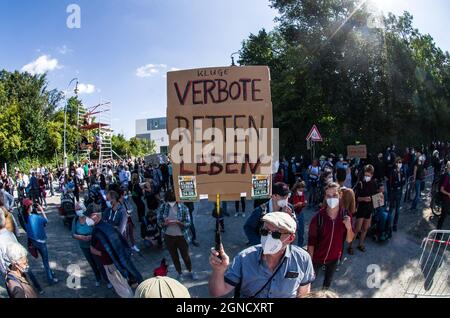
point(294, 199)
point(328, 242)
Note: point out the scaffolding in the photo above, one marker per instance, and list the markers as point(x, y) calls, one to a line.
point(96, 119)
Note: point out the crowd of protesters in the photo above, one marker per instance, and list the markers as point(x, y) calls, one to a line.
point(106, 197)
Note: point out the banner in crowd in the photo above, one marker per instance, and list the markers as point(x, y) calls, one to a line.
point(359, 151)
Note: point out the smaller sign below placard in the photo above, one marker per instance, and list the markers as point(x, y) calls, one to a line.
point(188, 188)
point(260, 186)
point(378, 200)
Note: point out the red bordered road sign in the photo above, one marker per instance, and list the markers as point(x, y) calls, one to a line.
point(314, 134)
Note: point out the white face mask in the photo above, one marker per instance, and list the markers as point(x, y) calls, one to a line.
point(108, 204)
point(172, 204)
point(282, 203)
point(79, 213)
point(399, 165)
point(270, 245)
point(300, 193)
point(90, 222)
point(367, 179)
point(332, 202)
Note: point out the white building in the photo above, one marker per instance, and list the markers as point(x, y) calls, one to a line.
point(154, 129)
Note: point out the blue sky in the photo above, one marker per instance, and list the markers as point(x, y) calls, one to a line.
point(124, 48)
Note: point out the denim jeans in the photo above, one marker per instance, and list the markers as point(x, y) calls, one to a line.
point(394, 205)
point(42, 250)
point(417, 186)
point(300, 229)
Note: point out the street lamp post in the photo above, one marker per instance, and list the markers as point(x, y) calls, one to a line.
point(232, 58)
point(65, 119)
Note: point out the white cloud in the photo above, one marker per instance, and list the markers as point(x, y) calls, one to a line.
point(86, 88)
point(63, 50)
point(41, 65)
point(173, 69)
point(149, 70)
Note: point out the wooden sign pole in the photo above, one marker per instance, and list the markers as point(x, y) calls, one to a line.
point(218, 236)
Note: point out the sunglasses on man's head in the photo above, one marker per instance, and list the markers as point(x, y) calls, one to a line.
point(275, 235)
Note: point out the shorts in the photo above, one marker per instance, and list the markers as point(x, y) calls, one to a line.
point(363, 214)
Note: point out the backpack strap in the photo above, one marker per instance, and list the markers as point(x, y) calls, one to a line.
point(318, 227)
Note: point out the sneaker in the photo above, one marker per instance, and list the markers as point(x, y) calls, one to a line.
point(97, 284)
point(243, 215)
point(41, 292)
point(194, 276)
point(180, 277)
point(109, 285)
point(236, 215)
point(195, 243)
point(136, 249)
point(54, 281)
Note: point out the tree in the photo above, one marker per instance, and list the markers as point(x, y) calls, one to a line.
point(331, 65)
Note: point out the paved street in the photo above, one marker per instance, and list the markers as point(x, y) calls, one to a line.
point(396, 258)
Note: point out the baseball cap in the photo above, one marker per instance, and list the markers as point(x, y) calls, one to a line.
point(27, 202)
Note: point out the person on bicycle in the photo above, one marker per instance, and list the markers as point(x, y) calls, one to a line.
point(436, 162)
point(313, 173)
point(397, 180)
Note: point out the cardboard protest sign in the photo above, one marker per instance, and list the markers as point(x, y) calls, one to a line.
point(205, 109)
point(359, 151)
point(378, 200)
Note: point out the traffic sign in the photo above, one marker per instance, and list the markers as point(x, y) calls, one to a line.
point(314, 134)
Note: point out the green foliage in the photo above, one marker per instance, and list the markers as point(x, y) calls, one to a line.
point(358, 81)
point(133, 147)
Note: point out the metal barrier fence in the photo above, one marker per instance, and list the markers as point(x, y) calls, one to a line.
point(431, 274)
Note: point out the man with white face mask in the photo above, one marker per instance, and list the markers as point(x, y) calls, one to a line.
point(327, 231)
point(278, 202)
point(273, 269)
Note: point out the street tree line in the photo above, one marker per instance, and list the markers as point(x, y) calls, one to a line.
point(32, 123)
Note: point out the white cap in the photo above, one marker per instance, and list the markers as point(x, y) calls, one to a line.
point(281, 220)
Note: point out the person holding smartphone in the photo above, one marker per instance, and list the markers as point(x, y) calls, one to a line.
point(174, 220)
